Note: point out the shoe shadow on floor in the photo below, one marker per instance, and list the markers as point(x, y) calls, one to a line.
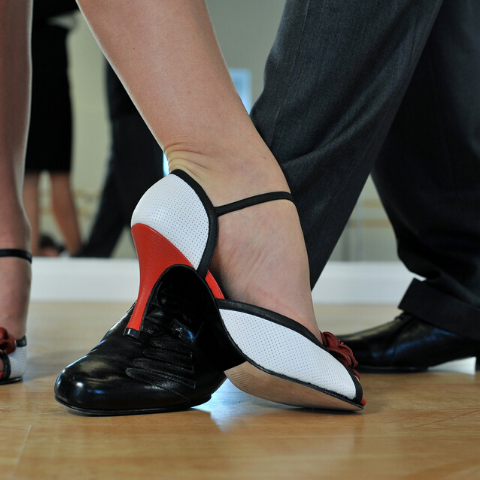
point(48, 364)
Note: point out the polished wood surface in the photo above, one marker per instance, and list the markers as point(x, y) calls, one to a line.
point(416, 426)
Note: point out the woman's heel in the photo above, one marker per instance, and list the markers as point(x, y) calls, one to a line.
point(155, 255)
point(170, 226)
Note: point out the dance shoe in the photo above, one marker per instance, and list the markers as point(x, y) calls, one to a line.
point(408, 344)
point(175, 229)
point(285, 363)
point(174, 364)
point(13, 353)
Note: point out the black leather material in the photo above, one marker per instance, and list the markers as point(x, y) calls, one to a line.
point(407, 344)
point(250, 201)
point(176, 363)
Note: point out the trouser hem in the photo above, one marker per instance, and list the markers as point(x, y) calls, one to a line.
point(441, 310)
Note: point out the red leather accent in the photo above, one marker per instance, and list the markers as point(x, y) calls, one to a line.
point(155, 255)
point(340, 351)
point(7, 342)
point(212, 283)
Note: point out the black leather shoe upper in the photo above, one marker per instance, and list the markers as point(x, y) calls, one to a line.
point(407, 344)
point(177, 361)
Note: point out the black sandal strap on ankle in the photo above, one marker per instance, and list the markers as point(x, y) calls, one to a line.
point(255, 200)
point(16, 252)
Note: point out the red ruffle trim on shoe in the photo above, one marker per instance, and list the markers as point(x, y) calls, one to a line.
point(340, 351)
point(7, 342)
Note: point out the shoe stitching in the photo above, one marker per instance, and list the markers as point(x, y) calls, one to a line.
point(166, 321)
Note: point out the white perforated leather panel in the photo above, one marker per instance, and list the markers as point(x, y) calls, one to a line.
point(286, 352)
point(18, 362)
point(172, 208)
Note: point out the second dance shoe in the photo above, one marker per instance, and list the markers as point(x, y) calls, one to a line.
point(174, 364)
point(408, 344)
point(13, 353)
point(175, 228)
point(13, 356)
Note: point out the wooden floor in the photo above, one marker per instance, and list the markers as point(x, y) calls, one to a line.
point(417, 426)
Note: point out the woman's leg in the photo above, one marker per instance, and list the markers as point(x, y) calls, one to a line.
point(63, 207)
point(31, 201)
point(14, 107)
point(168, 58)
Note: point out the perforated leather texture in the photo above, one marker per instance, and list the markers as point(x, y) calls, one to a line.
point(18, 362)
point(172, 208)
point(285, 352)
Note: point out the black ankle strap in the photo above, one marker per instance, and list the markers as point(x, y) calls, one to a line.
point(255, 200)
point(16, 252)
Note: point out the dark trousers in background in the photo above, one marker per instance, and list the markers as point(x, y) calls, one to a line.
point(135, 164)
point(392, 89)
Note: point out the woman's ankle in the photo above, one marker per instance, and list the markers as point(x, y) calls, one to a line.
point(225, 180)
point(260, 256)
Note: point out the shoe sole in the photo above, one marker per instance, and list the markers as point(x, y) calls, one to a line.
point(283, 365)
point(136, 411)
point(11, 380)
point(261, 384)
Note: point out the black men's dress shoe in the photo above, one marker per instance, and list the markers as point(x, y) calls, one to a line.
point(408, 344)
point(176, 362)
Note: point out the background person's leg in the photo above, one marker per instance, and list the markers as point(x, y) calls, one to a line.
point(131, 140)
point(135, 165)
point(134, 141)
point(64, 210)
point(428, 175)
point(108, 223)
point(49, 146)
point(333, 83)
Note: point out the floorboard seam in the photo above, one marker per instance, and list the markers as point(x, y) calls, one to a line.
point(21, 452)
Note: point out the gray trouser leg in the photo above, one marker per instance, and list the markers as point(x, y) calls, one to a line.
point(334, 80)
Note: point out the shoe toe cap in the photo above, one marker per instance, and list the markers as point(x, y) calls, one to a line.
point(96, 387)
point(83, 388)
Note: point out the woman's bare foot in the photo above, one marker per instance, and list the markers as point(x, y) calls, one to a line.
point(260, 257)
